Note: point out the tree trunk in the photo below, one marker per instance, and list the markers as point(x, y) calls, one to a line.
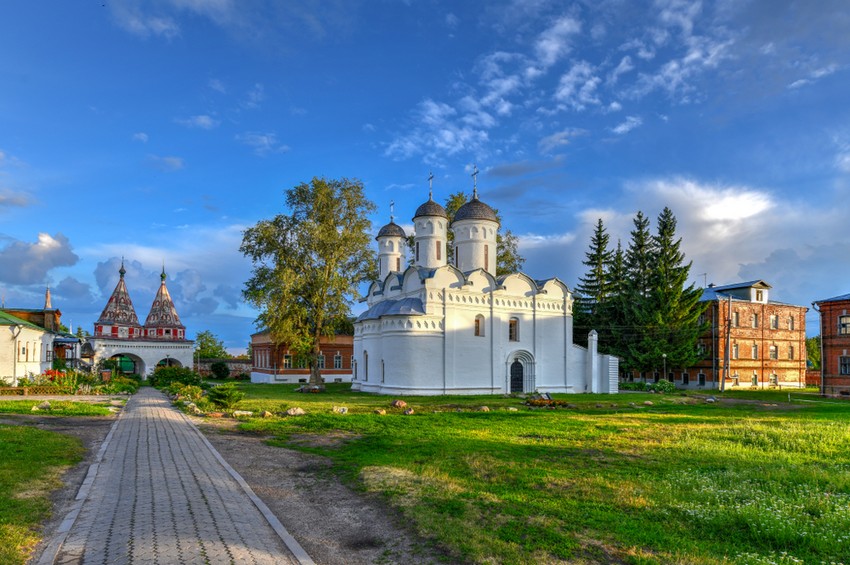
point(315, 372)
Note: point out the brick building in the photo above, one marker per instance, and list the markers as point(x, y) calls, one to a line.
point(835, 344)
point(751, 341)
point(277, 364)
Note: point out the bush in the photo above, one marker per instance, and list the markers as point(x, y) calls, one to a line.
point(242, 377)
point(220, 370)
point(663, 386)
point(225, 396)
point(188, 392)
point(163, 376)
point(633, 386)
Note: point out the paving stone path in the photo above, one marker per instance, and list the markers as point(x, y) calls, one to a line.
point(159, 493)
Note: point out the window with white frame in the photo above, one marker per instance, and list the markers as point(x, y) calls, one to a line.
point(844, 325)
point(774, 322)
point(734, 351)
point(735, 319)
point(337, 361)
point(287, 361)
point(773, 351)
point(479, 325)
point(320, 361)
point(844, 365)
point(755, 320)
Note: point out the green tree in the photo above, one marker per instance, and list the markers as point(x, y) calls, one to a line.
point(637, 263)
point(593, 289)
point(614, 310)
point(308, 264)
point(508, 259)
point(208, 346)
point(813, 351)
point(671, 311)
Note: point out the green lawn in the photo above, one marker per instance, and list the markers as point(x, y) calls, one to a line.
point(31, 461)
point(57, 408)
point(680, 481)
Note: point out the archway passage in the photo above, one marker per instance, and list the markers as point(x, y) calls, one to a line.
point(516, 376)
point(169, 362)
point(126, 365)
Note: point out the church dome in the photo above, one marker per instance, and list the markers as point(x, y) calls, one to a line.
point(430, 208)
point(392, 229)
point(475, 210)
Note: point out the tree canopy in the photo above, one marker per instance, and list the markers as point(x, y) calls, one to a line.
point(308, 264)
point(208, 346)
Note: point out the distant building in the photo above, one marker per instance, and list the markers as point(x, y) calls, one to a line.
point(118, 334)
point(835, 343)
point(33, 340)
point(752, 341)
point(277, 364)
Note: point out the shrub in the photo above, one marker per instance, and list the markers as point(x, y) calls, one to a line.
point(225, 396)
point(189, 392)
point(633, 386)
point(663, 386)
point(242, 377)
point(220, 370)
point(164, 376)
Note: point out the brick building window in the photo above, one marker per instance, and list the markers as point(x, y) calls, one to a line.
point(844, 365)
point(791, 323)
point(686, 378)
point(844, 325)
point(287, 361)
point(755, 320)
point(773, 351)
point(759, 296)
point(320, 361)
point(734, 351)
point(755, 351)
point(337, 361)
point(735, 319)
point(774, 322)
point(791, 352)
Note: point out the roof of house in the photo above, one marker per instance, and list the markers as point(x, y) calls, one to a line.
point(834, 299)
point(7, 319)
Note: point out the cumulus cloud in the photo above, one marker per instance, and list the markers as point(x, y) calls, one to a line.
point(437, 133)
point(264, 144)
point(625, 127)
point(201, 121)
point(72, 292)
point(554, 43)
point(29, 263)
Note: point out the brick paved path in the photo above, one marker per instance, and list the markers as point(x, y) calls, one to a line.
point(160, 494)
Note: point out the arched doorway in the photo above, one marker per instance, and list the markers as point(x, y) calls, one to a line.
point(169, 362)
point(516, 376)
point(520, 372)
point(127, 364)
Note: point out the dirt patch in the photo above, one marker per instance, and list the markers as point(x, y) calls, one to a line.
point(333, 523)
point(328, 441)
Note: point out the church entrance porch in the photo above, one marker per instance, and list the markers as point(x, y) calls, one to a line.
point(520, 377)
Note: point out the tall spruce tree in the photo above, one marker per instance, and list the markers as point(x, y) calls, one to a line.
point(593, 290)
point(614, 308)
point(635, 289)
point(671, 310)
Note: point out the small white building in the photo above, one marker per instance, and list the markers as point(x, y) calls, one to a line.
point(25, 349)
point(118, 334)
point(434, 328)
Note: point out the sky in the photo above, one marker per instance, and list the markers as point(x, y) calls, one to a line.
point(157, 131)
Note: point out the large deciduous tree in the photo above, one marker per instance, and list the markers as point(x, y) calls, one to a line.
point(308, 264)
point(208, 346)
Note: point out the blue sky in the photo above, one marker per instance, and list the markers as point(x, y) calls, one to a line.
point(158, 130)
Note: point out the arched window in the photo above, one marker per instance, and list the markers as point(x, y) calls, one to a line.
point(479, 325)
point(398, 263)
point(365, 365)
point(486, 257)
point(416, 253)
point(513, 329)
point(439, 250)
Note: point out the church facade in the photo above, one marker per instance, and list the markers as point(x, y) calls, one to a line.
point(437, 328)
point(161, 340)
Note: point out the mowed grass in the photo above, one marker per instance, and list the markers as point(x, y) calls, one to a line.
point(57, 408)
point(610, 480)
point(31, 461)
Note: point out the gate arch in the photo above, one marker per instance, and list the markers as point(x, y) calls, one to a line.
point(519, 373)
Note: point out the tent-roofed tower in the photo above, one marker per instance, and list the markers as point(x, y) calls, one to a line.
point(118, 318)
point(162, 321)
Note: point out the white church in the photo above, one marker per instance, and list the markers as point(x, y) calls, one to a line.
point(434, 328)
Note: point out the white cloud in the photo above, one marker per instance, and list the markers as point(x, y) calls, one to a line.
point(167, 164)
point(631, 123)
point(452, 21)
point(614, 106)
point(264, 144)
point(625, 65)
point(554, 43)
point(9, 198)
point(29, 263)
point(132, 19)
point(202, 121)
point(558, 139)
point(577, 88)
point(140, 136)
point(254, 97)
point(217, 85)
point(814, 76)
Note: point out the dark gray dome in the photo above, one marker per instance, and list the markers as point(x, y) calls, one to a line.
point(475, 210)
point(392, 229)
point(431, 208)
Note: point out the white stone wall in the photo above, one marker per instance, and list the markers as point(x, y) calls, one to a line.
point(390, 254)
point(471, 237)
point(430, 234)
point(146, 354)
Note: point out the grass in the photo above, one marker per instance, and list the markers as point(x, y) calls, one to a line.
point(57, 408)
point(608, 480)
point(31, 461)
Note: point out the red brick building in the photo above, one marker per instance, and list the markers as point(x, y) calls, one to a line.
point(835, 344)
point(751, 341)
point(277, 364)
